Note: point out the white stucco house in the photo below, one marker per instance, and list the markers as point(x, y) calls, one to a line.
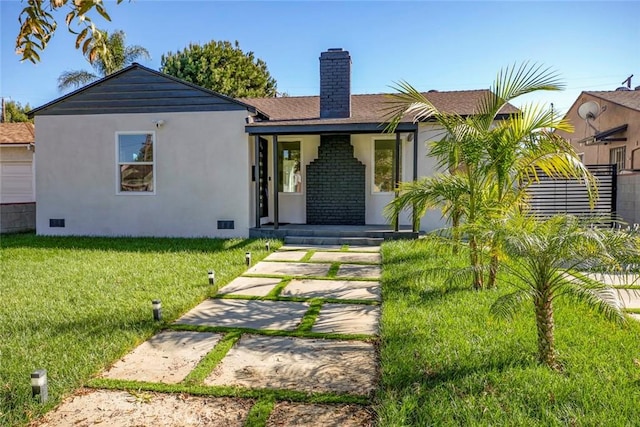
point(141, 153)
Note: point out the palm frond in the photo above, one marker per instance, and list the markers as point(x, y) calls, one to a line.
point(407, 102)
point(508, 305)
point(75, 79)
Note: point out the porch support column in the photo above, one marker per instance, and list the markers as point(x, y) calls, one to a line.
point(396, 175)
point(415, 218)
point(256, 176)
point(276, 184)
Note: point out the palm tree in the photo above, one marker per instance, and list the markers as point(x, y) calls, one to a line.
point(116, 56)
point(497, 159)
point(544, 256)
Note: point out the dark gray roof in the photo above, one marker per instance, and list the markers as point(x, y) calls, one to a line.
point(138, 89)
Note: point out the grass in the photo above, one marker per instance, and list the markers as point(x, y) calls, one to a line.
point(446, 361)
point(74, 305)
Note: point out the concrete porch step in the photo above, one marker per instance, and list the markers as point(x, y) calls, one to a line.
point(333, 240)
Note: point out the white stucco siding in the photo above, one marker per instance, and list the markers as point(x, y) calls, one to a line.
point(201, 172)
point(427, 166)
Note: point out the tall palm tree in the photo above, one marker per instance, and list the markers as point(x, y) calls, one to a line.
point(116, 56)
point(543, 257)
point(498, 159)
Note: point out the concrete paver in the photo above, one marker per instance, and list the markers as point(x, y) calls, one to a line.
point(315, 415)
point(311, 365)
point(286, 256)
point(635, 316)
point(250, 286)
point(124, 409)
point(231, 313)
point(289, 269)
point(167, 357)
point(347, 319)
point(340, 289)
point(630, 298)
point(310, 247)
point(359, 271)
point(346, 257)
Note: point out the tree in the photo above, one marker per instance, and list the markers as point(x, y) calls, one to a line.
point(14, 112)
point(38, 23)
point(494, 160)
point(116, 56)
point(544, 256)
point(222, 67)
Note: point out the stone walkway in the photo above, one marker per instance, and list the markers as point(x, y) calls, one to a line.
point(303, 320)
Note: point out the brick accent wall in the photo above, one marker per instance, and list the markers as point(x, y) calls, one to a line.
point(335, 84)
point(336, 184)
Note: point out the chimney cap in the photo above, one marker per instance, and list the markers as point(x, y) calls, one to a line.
point(334, 49)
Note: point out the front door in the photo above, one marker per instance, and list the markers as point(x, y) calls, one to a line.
point(263, 155)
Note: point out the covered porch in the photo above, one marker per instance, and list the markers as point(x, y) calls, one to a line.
point(330, 176)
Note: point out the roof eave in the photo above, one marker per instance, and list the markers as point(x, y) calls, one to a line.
point(249, 108)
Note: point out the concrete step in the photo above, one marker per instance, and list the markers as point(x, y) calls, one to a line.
point(333, 240)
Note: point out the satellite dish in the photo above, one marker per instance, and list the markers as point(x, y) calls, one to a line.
point(589, 110)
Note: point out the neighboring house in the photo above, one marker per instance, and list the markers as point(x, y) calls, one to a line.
point(608, 129)
point(607, 132)
point(142, 153)
point(17, 184)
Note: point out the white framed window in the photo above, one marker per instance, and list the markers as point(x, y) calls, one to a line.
point(384, 164)
point(289, 167)
point(135, 163)
point(616, 157)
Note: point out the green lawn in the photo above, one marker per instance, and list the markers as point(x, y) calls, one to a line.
point(446, 361)
point(74, 305)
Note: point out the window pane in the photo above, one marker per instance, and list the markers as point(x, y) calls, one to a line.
point(136, 177)
point(616, 156)
point(383, 165)
point(290, 175)
point(135, 148)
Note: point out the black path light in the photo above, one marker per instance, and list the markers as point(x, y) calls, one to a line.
point(267, 246)
point(40, 385)
point(247, 258)
point(157, 309)
point(212, 277)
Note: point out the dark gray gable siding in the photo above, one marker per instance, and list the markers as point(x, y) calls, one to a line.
point(137, 90)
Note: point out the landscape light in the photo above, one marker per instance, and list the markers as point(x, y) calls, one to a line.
point(212, 277)
point(247, 258)
point(157, 309)
point(267, 246)
point(39, 385)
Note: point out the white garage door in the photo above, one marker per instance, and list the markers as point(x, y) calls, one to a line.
point(16, 182)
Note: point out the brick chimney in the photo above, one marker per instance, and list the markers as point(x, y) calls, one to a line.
point(335, 84)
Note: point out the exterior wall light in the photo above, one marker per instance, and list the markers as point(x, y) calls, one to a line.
point(39, 385)
point(157, 309)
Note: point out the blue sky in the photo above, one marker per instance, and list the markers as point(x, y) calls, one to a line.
point(432, 45)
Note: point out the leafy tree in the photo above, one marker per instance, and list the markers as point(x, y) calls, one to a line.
point(38, 23)
point(14, 112)
point(494, 161)
point(222, 67)
point(116, 56)
point(543, 258)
